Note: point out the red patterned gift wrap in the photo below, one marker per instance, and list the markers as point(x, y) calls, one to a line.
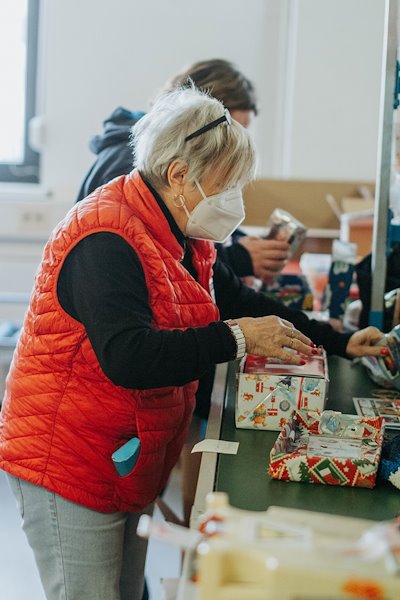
point(303, 454)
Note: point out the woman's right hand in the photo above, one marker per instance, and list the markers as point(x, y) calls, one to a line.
point(275, 337)
point(268, 257)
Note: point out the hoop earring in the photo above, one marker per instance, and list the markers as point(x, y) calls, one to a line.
point(179, 200)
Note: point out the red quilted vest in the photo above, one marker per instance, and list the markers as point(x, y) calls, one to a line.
point(62, 418)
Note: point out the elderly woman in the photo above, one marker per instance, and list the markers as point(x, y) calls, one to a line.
point(129, 309)
point(246, 255)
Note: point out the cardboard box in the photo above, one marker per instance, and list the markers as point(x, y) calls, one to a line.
point(269, 390)
point(302, 454)
point(358, 229)
point(304, 199)
point(356, 205)
point(307, 201)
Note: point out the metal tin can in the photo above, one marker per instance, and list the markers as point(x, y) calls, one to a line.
point(284, 226)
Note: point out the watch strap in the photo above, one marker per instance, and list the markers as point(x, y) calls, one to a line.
point(238, 335)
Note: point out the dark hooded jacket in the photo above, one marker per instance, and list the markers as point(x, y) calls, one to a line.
point(114, 155)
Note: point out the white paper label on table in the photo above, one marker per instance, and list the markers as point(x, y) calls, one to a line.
point(220, 446)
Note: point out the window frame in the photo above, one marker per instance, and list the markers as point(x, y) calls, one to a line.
point(28, 170)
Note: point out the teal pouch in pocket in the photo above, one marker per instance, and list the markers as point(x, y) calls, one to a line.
point(125, 458)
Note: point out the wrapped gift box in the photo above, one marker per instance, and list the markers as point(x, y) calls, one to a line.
point(301, 453)
point(291, 289)
point(269, 390)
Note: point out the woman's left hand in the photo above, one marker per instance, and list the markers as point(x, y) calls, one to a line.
point(364, 343)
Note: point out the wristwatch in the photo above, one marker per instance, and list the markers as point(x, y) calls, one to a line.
point(238, 335)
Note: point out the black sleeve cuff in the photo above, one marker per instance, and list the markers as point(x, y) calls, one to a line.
point(237, 258)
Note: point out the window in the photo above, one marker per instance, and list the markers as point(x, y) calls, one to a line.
point(18, 65)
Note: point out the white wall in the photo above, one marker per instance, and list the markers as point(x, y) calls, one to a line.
point(315, 63)
point(334, 99)
point(102, 55)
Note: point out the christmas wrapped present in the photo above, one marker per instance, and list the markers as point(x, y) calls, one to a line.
point(291, 289)
point(349, 457)
point(270, 390)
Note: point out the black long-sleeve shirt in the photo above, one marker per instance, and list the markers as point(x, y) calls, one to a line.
point(236, 256)
point(102, 285)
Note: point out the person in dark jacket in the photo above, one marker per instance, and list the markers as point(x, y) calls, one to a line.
point(114, 155)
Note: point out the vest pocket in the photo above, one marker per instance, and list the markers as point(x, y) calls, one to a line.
point(141, 485)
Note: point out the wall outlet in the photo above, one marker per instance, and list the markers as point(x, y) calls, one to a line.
point(34, 219)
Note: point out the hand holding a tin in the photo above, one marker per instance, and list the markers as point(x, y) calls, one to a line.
point(268, 257)
point(277, 338)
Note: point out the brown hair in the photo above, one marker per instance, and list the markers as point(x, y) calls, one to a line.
point(222, 80)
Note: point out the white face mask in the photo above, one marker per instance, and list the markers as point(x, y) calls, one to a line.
point(215, 217)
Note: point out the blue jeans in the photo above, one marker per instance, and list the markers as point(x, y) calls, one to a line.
point(81, 554)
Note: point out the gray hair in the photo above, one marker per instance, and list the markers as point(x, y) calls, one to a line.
point(158, 138)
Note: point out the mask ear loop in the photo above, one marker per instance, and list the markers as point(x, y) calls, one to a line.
point(200, 189)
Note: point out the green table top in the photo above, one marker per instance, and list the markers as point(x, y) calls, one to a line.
point(245, 478)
